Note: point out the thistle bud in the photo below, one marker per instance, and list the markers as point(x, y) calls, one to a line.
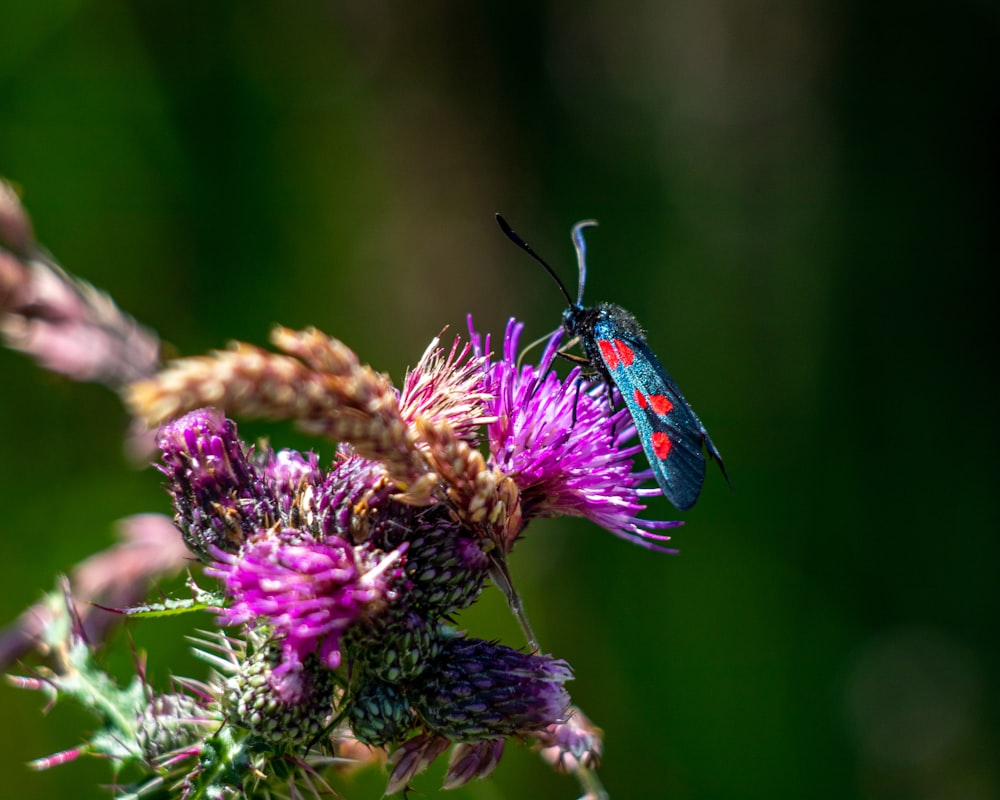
point(280, 707)
point(446, 567)
point(171, 722)
point(379, 713)
point(397, 645)
point(483, 690)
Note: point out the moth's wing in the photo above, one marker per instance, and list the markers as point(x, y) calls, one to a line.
point(671, 433)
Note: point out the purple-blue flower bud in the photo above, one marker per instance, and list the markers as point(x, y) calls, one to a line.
point(482, 690)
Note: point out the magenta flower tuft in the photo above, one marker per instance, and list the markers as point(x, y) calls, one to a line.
point(307, 592)
point(565, 451)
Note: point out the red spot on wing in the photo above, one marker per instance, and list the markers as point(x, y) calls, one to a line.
point(661, 404)
point(624, 352)
point(661, 444)
point(640, 398)
point(608, 351)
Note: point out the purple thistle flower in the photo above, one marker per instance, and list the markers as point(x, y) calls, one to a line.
point(564, 450)
point(479, 690)
point(293, 478)
point(307, 591)
point(286, 470)
point(351, 480)
point(219, 496)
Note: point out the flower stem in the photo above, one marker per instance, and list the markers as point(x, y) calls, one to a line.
point(592, 787)
point(501, 577)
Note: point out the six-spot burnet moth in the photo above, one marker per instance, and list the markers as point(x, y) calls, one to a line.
point(615, 346)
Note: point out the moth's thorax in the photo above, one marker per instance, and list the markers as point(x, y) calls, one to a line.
point(580, 321)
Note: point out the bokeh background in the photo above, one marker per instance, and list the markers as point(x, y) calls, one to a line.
point(798, 199)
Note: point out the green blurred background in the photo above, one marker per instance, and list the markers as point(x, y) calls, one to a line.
point(797, 198)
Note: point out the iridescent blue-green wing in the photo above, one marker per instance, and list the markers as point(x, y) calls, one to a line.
point(671, 434)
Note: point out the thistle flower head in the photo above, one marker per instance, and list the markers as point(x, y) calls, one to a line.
point(558, 441)
point(354, 490)
point(219, 496)
point(170, 723)
point(485, 690)
point(293, 478)
point(448, 389)
point(307, 592)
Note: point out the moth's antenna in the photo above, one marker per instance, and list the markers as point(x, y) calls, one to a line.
point(509, 233)
point(581, 254)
